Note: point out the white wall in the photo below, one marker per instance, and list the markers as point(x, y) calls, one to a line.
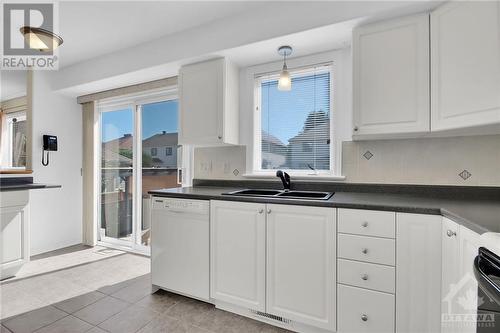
point(56, 214)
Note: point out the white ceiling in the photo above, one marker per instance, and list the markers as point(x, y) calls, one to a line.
point(326, 38)
point(91, 29)
point(119, 43)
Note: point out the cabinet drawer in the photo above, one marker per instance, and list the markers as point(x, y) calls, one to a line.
point(365, 275)
point(369, 249)
point(367, 222)
point(361, 310)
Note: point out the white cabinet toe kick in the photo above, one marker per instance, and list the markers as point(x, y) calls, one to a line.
point(320, 269)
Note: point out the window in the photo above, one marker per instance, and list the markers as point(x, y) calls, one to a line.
point(14, 129)
point(168, 151)
point(154, 151)
point(295, 126)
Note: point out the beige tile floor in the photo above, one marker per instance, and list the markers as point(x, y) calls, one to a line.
point(109, 295)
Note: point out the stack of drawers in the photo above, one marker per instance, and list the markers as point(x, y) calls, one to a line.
point(366, 272)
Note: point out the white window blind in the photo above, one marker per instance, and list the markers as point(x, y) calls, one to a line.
point(295, 131)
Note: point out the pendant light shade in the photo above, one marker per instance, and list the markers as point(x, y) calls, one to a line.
point(285, 81)
point(41, 39)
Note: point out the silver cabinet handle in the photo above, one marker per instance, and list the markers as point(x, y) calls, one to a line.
point(364, 277)
point(364, 317)
point(364, 224)
point(365, 251)
point(219, 137)
point(269, 211)
point(451, 233)
point(356, 128)
point(261, 211)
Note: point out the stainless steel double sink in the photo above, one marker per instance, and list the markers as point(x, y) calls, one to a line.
point(282, 194)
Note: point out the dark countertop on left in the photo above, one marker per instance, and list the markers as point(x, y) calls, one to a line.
point(22, 183)
point(479, 215)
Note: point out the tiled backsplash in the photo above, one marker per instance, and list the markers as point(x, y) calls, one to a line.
point(219, 162)
point(471, 160)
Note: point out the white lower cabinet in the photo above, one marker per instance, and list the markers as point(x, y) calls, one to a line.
point(14, 232)
point(396, 272)
point(362, 310)
point(301, 273)
point(238, 253)
point(301, 264)
point(418, 273)
point(459, 287)
point(366, 275)
point(369, 249)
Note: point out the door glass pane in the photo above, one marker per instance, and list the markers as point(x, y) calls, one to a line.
point(159, 154)
point(19, 142)
point(116, 174)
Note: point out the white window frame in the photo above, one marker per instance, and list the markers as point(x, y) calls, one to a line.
point(134, 101)
point(335, 162)
point(9, 123)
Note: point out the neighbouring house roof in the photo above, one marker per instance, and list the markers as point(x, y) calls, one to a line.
point(114, 159)
point(125, 142)
point(269, 138)
point(320, 131)
point(160, 140)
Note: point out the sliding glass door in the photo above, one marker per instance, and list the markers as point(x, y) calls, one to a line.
point(117, 171)
point(159, 123)
point(139, 152)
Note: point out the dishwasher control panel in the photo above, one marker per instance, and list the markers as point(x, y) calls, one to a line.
point(181, 205)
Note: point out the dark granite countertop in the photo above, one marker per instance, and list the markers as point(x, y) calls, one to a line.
point(21, 187)
point(22, 183)
point(478, 213)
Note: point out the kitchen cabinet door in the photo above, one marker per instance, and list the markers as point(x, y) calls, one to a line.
point(238, 253)
point(450, 273)
point(208, 103)
point(466, 296)
point(391, 77)
point(14, 232)
point(418, 273)
point(465, 64)
point(301, 264)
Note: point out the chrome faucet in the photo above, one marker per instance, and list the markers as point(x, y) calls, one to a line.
point(285, 179)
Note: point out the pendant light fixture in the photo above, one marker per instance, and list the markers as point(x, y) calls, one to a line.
point(285, 81)
point(41, 39)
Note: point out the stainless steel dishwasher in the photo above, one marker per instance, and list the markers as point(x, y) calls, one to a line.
point(180, 246)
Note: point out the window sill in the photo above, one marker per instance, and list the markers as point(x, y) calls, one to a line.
point(298, 176)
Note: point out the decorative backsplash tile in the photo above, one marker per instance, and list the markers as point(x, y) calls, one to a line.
point(465, 174)
point(468, 160)
point(226, 162)
point(368, 155)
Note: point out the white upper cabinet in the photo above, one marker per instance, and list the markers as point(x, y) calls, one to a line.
point(301, 267)
point(238, 253)
point(208, 103)
point(391, 77)
point(465, 64)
